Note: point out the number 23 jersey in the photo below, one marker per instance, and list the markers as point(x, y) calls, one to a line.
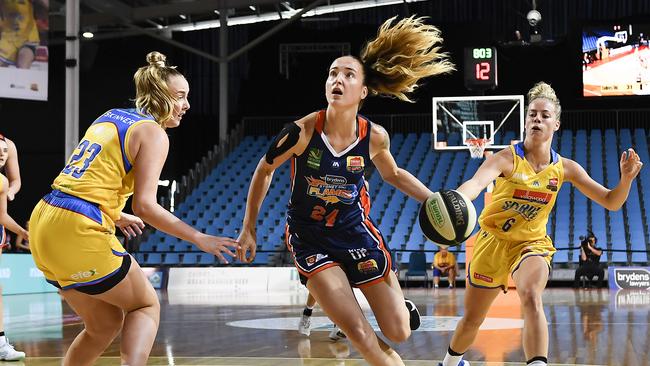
point(327, 188)
point(100, 168)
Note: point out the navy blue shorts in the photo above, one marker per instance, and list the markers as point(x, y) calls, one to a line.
point(360, 251)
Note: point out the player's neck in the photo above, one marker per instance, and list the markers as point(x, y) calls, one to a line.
point(340, 122)
point(537, 153)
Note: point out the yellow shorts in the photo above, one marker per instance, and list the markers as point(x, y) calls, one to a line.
point(12, 42)
point(494, 259)
point(73, 243)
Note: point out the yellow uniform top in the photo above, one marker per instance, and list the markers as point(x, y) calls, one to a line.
point(99, 169)
point(440, 261)
point(522, 202)
point(18, 19)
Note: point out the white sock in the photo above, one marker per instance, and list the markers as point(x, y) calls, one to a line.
point(537, 363)
point(451, 360)
point(3, 340)
point(309, 307)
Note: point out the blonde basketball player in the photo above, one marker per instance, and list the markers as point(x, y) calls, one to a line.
point(513, 239)
point(7, 351)
point(333, 241)
point(72, 228)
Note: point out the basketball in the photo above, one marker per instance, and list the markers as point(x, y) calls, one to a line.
point(447, 218)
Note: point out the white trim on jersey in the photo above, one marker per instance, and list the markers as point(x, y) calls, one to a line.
point(331, 149)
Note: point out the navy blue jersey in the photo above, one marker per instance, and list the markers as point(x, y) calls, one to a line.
point(327, 188)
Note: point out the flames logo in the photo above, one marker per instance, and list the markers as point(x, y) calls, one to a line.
point(332, 189)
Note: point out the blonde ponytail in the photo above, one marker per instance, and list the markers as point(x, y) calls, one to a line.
point(151, 91)
point(401, 55)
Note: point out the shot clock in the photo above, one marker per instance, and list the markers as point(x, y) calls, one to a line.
point(480, 68)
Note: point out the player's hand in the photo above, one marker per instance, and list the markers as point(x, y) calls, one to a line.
point(10, 196)
point(630, 164)
point(130, 225)
point(247, 243)
point(218, 246)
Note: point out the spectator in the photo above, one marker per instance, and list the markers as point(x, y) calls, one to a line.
point(444, 264)
point(589, 261)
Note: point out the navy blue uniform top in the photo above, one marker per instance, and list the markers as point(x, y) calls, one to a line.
point(327, 188)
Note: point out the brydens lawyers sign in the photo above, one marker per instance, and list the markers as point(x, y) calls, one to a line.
point(629, 278)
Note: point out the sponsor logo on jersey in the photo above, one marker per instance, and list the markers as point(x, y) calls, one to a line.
point(552, 184)
point(332, 189)
point(536, 183)
point(369, 266)
point(482, 277)
point(336, 165)
point(314, 157)
point(83, 274)
point(528, 212)
point(355, 164)
point(532, 196)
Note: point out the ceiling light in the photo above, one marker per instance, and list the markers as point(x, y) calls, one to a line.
point(87, 34)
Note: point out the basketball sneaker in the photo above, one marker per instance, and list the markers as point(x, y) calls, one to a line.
point(304, 327)
point(336, 334)
point(415, 314)
point(8, 353)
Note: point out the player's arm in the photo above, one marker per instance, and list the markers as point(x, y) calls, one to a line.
point(13, 170)
point(149, 146)
point(388, 169)
point(6, 220)
point(611, 199)
point(292, 140)
point(495, 165)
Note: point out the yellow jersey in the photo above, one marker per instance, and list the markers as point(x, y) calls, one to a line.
point(18, 20)
point(448, 260)
point(522, 202)
point(99, 169)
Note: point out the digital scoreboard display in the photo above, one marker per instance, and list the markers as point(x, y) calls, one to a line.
point(480, 68)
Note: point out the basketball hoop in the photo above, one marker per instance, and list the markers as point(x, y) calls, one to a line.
point(476, 147)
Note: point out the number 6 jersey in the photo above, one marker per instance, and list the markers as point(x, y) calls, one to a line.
point(327, 188)
point(99, 169)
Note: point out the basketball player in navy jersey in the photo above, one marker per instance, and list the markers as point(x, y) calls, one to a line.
point(334, 243)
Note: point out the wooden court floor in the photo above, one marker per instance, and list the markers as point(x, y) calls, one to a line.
point(586, 327)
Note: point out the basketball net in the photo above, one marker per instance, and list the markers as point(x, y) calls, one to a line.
point(476, 147)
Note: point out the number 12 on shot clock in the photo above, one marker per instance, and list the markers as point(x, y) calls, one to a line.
point(480, 68)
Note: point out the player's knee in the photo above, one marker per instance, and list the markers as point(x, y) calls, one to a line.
point(397, 333)
point(530, 298)
point(362, 337)
point(471, 321)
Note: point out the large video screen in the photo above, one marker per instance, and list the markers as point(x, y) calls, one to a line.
point(23, 49)
point(616, 60)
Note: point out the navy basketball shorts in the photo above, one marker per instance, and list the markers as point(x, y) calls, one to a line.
point(360, 251)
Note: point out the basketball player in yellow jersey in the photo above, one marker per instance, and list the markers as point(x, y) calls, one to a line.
point(513, 239)
point(7, 351)
point(18, 33)
point(72, 228)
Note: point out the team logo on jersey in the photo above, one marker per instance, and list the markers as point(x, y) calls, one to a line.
point(355, 164)
point(312, 259)
point(332, 189)
point(532, 196)
point(528, 212)
point(369, 266)
point(313, 158)
point(336, 165)
point(552, 184)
